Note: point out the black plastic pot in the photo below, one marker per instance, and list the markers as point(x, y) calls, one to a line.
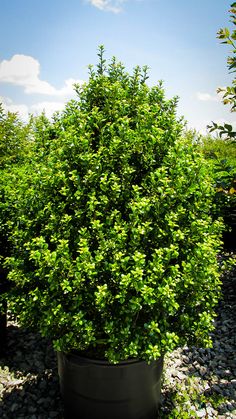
point(229, 235)
point(94, 389)
point(229, 240)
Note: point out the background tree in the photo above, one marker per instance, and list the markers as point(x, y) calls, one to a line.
point(15, 138)
point(229, 93)
point(221, 151)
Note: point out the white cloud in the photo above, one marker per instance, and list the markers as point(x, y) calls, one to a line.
point(207, 97)
point(113, 6)
point(24, 70)
point(48, 107)
point(9, 106)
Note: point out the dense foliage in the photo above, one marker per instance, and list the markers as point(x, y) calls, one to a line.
point(115, 250)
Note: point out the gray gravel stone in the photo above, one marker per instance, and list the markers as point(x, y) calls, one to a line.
point(29, 386)
point(201, 413)
point(209, 372)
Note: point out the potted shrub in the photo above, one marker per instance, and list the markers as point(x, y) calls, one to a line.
point(115, 250)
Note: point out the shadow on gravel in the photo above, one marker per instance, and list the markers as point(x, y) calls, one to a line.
point(27, 352)
point(28, 376)
point(37, 397)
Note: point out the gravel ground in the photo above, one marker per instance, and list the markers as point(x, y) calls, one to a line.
point(196, 382)
point(202, 382)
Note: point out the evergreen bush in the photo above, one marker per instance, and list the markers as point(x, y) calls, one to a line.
point(115, 248)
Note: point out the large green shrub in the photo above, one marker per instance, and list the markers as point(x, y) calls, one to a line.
point(115, 250)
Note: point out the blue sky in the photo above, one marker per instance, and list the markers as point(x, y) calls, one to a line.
point(46, 46)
